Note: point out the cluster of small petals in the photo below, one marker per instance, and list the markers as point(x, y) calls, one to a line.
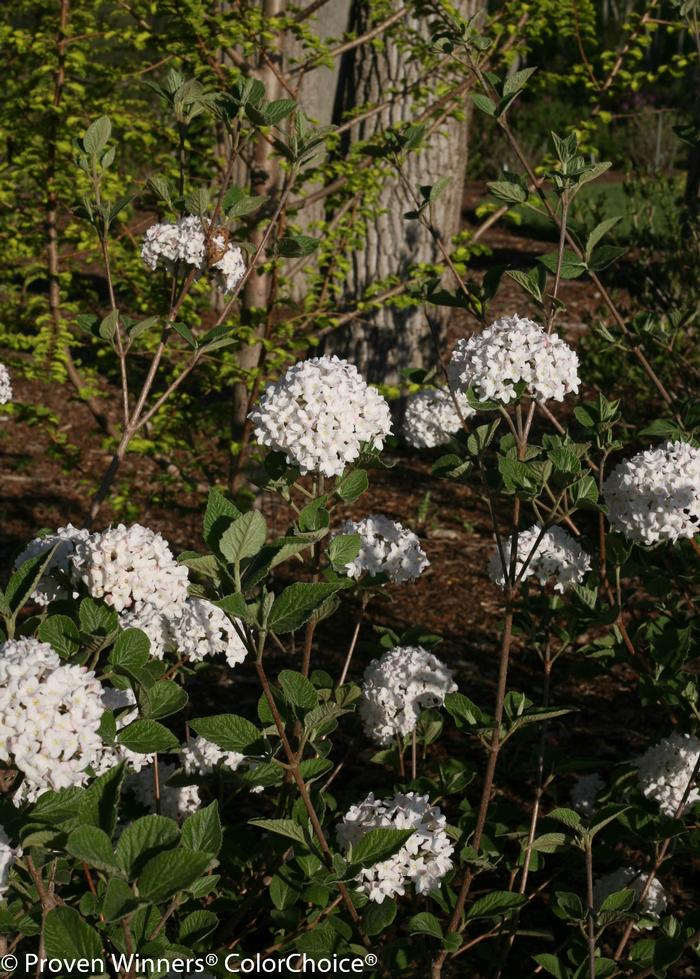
point(627, 878)
point(8, 855)
point(665, 770)
point(558, 558)
point(5, 385)
point(126, 566)
point(184, 243)
point(176, 801)
point(386, 547)
point(53, 583)
point(201, 757)
point(431, 417)
point(422, 861)
point(50, 713)
point(397, 686)
point(154, 622)
point(510, 351)
point(655, 495)
point(585, 792)
point(321, 414)
point(202, 630)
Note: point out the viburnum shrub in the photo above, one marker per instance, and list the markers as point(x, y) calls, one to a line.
point(150, 810)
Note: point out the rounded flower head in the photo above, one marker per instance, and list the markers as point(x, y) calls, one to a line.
point(558, 558)
point(184, 243)
point(205, 630)
point(5, 385)
point(386, 547)
point(665, 769)
point(655, 495)
point(584, 793)
point(321, 414)
point(125, 566)
point(423, 860)
point(201, 757)
point(8, 855)
point(628, 879)
point(176, 801)
point(52, 584)
point(397, 686)
point(431, 418)
point(50, 713)
point(510, 351)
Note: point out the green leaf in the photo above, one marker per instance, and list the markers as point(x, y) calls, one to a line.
point(96, 618)
point(220, 512)
point(244, 537)
point(25, 579)
point(439, 188)
point(484, 103)
point(108, 326)
point(377, 917)
point(61, 633)
point(571, 267)
point(599, 232)
point(619, 901)
point(496, 903)
point(186, 334)
point(96, 136)
point(549, 842)
point(131, 650)
point(284, 891)
point(283, 827)
point(297, 246)
point(298, 691)
point(229, 731)
point(196, 926)
point(67, 936)
point(119, 900)
point(517, 81)
point(352, 485)
point(377, 845)
point(425, 924)
point(278, 109)
point(171, 871)
point(552, 964)
point(146, 736)
point(569, 817)
point(343, 549)
point(100, 800)
point(93, 847)
point(297, 603)
point(202, 830)
point(143, 839)
point(464, 710)
point(165, 697)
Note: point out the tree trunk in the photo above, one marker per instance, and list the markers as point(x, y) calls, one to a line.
point(388, 340)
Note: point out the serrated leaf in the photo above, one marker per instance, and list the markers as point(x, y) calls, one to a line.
point(496, 903)
point(93, 847)
point(67, 936)
point(282, 827)
point(143, 839)
point(297, 603)
point(244, 537)
point(171, 871)
point(229, 731)
point(202, 830)
point(377, 845)
point(147, 736)
point(298, 690)
point(425, 924)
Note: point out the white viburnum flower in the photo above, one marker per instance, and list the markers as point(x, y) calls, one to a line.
point(205, 630)
point(53, 584)
point(665, 769)
point(320, 414)
point(176, 801)
point(559, 558)
point(431, 418)
point(627, 878)
point(386, 547)
point(655, 495)
point(5, 385)
point(183, 244)
point(126, 566)
point(8, 855)
point(584, 793)
point(397, 686)
point(201, 757)
point(423, 860)
point(511, 350)
point(50, 714)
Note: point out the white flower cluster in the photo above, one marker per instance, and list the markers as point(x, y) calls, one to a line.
point(386, 547)
point(558, 557)
point(5, 385)
point(195, 628)
point(184, 243)
point(321, 414)
point(52, 584)
point(397, 686)
point(129, 565)
point(8, 855)
point(584, 793)
point(176, 801)
point(49, 717)
point(431, 417)
point(665, 769)
point(629, 879)
point(511, 350)
point(201, 757)
point(423, 860)
point(655, 495)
